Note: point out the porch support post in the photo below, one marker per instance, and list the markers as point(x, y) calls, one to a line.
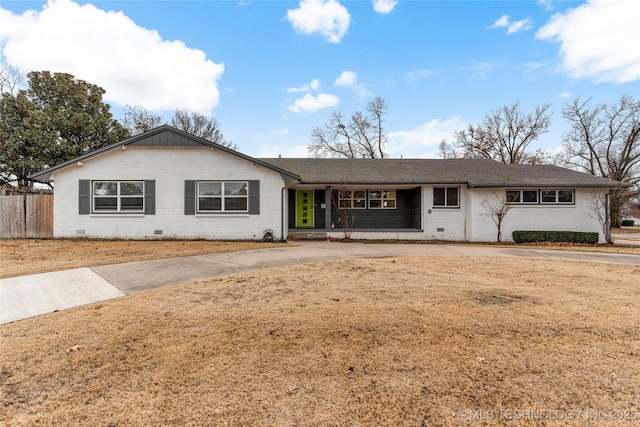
point(327, 211)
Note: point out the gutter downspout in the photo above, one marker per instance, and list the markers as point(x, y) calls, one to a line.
point(282, 224)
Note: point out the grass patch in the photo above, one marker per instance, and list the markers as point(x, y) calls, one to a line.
point(393, 341)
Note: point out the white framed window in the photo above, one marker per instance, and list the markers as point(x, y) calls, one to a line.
point(352, 199)
point(446, 197)
point(118, 196)
point(544, 197)
point(382, 199)
point(223, 196)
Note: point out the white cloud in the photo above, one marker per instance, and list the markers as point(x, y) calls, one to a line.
point(598, 40)
point(313, 85)
point(384, 6)
point(547, 4)
point(413, 76)
point(512, 26)
point(347, 78)
point(312, 103)
point(133, 64)
point(327, 17)
point(564, 95)
point(423, 141)
point(350, 79)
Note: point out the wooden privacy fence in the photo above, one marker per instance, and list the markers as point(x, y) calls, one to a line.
point(26, 216)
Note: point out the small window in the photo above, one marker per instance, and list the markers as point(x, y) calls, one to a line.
point(513, 196)
point(352, 199)
point(118, 196)
point(530, 196)
point(446, 197)
point(565, 196)
point(382, 199)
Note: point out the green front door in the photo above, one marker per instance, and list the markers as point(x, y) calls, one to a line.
point(304, 208)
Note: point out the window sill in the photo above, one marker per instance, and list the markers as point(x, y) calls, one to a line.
point(223, 215)
point(117, 215)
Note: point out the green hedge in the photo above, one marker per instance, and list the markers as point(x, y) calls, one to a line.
point(627, 222)
point(522, 236)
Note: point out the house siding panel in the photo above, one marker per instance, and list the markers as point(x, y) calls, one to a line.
point(170, 167)
point(400, 217)
point(575, 217)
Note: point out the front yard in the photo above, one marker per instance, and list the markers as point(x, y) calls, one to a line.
point(438, 341)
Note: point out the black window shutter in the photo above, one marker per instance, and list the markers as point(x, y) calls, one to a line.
point(189, 197)
point(254, 197)
point(84, 199)
point(150, 197)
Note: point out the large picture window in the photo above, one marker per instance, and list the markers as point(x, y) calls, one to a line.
point(223, 196)
point(446, 197)
point(118, 196)
point(382, 199)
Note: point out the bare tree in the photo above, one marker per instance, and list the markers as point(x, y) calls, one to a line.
point(10, 77)
point(201, 126)
point(138, 119)
point(346, 212)
point(504, 135)
point(599, 210)
point(604, 140)
point(447, 151)
point(363, 136)
point(497, 209)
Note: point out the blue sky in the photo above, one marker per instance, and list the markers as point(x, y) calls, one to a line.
point(269, 71)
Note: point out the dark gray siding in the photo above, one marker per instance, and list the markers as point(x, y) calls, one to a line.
point(405, 215)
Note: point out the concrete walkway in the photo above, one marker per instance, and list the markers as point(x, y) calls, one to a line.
point(28, 296)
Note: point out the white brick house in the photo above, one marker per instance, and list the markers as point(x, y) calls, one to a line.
point(168, 184)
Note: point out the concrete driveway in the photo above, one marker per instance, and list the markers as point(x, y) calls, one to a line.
point(29, 296)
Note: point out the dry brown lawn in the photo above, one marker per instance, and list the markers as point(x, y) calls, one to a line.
point(395, 341)
point(22, 257)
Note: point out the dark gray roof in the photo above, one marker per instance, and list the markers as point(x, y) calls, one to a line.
point(162, 136)
point(471, 172)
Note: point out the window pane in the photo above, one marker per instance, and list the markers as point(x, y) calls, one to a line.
point(209, 203)
point(131, 188)
point(375, 194)
point(513, 196)
point(131, 203)
point(360, 203)
point(389, 204)
point(235, 204)
point(105, 188)
point(345, 194)
point(345, 203)
point(235, 188)
point(439, 196)
point(375, 204)
point(209, 189)
point(565, 196)
point(106, 203)
point(360, 194)
point(530, 196)
point(548, 196)
point(452, 196)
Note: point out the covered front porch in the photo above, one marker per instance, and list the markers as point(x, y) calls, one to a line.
point(315, 212)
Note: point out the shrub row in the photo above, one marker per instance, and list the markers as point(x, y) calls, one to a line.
point(523, 236)
point(627, 223)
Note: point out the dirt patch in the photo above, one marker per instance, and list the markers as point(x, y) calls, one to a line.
point(394, 341)
point(22, 257)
